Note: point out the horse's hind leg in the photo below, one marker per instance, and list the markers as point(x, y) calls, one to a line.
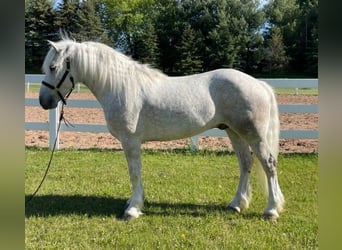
point(269, 163)
point(243, 194)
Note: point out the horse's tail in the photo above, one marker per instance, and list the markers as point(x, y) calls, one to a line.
point(273, 126)
point(273, 131)
point(272, 135)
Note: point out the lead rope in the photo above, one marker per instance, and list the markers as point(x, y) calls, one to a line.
point(67, 123)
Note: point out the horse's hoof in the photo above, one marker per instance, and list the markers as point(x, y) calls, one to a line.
point(270, 217)
point(132, 213)
point(233, 209)
point(128, 217)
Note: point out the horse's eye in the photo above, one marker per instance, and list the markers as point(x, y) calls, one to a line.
point(52, 68)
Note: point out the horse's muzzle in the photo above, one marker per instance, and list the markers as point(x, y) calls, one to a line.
point(47, 101)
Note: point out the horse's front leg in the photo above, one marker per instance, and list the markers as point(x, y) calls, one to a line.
point(135, 204)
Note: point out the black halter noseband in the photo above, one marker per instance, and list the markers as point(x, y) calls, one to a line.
point(56, 88)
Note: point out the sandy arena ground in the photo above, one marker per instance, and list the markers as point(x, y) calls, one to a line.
point(106, 141)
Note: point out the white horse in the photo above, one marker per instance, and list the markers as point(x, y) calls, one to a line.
point(142, 104)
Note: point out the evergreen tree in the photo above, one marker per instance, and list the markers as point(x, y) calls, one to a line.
point(189, 61)
point(251, 53)
point(218, 26)
point(168, 25)
point(144, 46)
point(226, 37)
point(67, 19)
point(275, 58)
point(39, 19)
point(298, 22)
point(226, 32)
point(89, 24)
point(309, 35)
point(186, 36)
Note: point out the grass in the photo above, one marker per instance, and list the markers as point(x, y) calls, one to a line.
point(80, 205)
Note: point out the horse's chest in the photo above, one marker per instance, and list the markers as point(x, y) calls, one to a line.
point(121, 120)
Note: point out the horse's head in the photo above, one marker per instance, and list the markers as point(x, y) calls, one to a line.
point(58, 82)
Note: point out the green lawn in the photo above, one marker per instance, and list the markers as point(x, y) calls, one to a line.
point(80, 205)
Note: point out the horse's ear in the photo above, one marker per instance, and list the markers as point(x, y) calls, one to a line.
point(53, 45)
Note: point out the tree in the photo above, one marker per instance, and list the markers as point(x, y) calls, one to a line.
point(184, 36)
point(275, 56)
point(189, 61)
point(224, 38)
point(168, 25)
point(67, 19)
point(309, 35)
point(89, 25)
point(39, 19)
point(125, 18)
point(81, 20)
point(144, 45)
point(298, 22)
point(252, 53)
point(225, 32)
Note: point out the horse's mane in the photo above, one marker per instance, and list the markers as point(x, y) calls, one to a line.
point(107, 67)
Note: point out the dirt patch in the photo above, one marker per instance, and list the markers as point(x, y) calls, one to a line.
point(105, 140)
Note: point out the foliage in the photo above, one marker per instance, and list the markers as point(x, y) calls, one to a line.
point(80, 205)
point(297, 20)
point(89, 26)
point(67, 18)
point(80, 20)
point(275, 56)
point(145, 46)
point(219, 30)
point(39, 16)
point(186, 37)
point(125, 18)
point(189, 60)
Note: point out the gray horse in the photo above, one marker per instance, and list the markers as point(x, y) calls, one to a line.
point(142, 104)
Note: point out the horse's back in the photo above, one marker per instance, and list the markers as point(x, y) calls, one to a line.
point(237, 89)
point(234, 79)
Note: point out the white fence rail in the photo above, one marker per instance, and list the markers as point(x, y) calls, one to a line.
point(51, 126)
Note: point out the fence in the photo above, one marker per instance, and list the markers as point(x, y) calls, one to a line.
point(51, 126)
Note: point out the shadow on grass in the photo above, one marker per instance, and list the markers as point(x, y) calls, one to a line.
point(179, 151)
point(54, 205)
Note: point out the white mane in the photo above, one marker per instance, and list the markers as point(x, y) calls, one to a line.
point(101, 65)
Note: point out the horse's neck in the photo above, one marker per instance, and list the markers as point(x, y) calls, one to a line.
point(99, 92)
point(102, 89)
point(119, 85)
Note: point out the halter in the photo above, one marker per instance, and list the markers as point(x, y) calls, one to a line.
point(56, 88)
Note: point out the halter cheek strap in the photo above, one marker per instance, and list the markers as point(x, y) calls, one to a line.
point(56, 88)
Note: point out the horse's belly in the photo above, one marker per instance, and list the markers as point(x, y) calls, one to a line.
point(176, 124)
point(167, 133)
